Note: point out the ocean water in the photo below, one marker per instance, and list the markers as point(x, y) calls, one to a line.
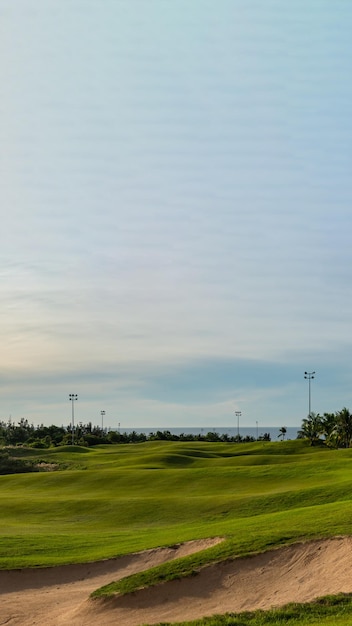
point(231, 431)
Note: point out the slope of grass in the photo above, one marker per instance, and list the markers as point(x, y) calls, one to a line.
point(112, 500)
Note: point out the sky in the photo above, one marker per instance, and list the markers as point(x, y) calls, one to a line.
point(175, 187)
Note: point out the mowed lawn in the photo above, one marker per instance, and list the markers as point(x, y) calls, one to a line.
point(111, 500)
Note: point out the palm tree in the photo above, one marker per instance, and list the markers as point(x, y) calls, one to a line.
point(344, 426)
point(311, 428)
point(329, 429)
point(282, 431)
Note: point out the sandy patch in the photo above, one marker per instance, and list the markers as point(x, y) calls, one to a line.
point(60, 596)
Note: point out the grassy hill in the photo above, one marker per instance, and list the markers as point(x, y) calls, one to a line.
point(112, 500)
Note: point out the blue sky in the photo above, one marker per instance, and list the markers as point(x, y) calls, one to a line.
point(176, 210)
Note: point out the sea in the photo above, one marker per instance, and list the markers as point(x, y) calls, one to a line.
point(231, 431)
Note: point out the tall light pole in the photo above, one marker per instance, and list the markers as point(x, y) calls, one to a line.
point(238, 415)
point(309, 376)
point(102, 413)
point(73, 397)
point(257, 429)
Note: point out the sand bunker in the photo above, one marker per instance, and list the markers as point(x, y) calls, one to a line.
point(60, 596)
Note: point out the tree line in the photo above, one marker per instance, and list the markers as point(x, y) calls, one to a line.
point(331, 429)
point(24, 433)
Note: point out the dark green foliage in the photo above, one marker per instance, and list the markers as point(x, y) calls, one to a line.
point(264, 437)
point(344, 427)
point(282, 432)
point(335, 428)
point(312, 428)
point(23, 433)
point(11, 465)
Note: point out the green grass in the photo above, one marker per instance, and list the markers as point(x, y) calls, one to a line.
point(116, 499)
point(113, 500)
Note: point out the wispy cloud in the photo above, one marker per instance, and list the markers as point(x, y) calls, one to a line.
point(175, 208)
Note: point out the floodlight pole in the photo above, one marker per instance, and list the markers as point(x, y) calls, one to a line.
point(238, 415)
point(309, 376)
point(73, 397)
point(102, 413)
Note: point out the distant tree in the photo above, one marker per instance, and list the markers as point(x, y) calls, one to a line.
point(164, 435)
point(264, 437)
point(212, 436)
point(282, 432)
point(18, 433)
point(187, 437)
point(311, 428)
point(329, 429)
point(56, 434)
point(135, 437)
point(115, 436)
point(89, 440)
point(344, 427)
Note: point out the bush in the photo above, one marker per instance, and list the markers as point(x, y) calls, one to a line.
point(9, 465)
